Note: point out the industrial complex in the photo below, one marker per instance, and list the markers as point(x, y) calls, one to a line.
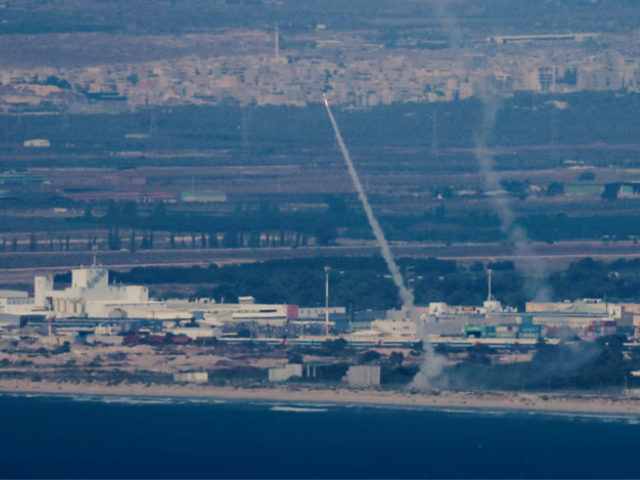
point(92, 309)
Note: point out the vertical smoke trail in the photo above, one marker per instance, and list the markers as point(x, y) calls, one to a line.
point(486, 162)
point(433, 364)
point(534, 264)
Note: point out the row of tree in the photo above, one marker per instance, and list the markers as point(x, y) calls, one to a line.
point(363, 283)
point(133, 242)
point(438, 225)
point(114, 242)
point(34, 244)
point(232, 239)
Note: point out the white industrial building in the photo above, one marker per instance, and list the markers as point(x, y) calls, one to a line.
point(89, 295)
point(319, 312)
point(15, 302)
point(442, 319)
point(13, 305)
point(582, 313)
point(38, 143)
point(398, 329)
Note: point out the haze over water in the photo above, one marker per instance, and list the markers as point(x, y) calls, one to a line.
point(122, 438)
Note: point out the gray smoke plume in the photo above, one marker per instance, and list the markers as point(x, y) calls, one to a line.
point(433, 364)
point(517, 235)
point(491, 103)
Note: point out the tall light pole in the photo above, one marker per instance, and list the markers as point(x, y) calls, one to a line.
point(326, 304)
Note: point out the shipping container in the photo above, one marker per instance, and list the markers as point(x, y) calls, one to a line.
point(531, 329)
point(528, 335)
point(180, 339)
point(132, 339)
point(505, 335)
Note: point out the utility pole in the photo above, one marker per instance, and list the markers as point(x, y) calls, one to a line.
point(245, 134)
point(152, 122)
point(554, 133)
point(326, 304)
point(434, 134)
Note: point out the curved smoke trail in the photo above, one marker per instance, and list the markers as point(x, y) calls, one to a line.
point(433, 364)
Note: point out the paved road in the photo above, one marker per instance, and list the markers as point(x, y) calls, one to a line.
point(22, 266)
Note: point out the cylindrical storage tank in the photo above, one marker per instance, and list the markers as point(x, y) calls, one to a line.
point(42, 285)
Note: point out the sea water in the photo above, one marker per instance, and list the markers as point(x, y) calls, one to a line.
point(122, 437)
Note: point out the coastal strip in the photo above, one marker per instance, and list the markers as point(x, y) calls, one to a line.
point(504, 401)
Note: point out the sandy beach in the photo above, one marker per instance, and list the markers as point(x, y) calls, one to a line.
point(521, 402)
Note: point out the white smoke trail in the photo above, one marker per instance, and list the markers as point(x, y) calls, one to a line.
point(405, 294)
point(433, 364)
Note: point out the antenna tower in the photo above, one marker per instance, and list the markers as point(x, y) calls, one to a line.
point(410, 274)
point(490, 297)
point(326, 305)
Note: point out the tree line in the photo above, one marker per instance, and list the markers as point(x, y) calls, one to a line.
point(268, 226)
point(255, 230)
point(363, 283)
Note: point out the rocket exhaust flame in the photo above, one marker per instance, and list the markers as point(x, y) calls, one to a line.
point(433, 364)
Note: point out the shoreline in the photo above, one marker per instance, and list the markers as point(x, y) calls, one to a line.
point(479, 402)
